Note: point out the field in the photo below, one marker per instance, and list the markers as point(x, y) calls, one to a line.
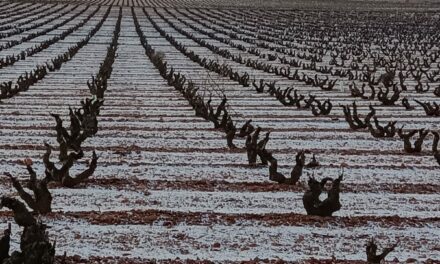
point(167, 187)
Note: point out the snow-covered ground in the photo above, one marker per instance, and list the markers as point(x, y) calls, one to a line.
point(149, 133)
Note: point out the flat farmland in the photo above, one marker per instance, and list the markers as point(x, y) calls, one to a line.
point(167, 187)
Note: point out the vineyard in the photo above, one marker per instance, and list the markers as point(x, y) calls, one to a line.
point(195, 131)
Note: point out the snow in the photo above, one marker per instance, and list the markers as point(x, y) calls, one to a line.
point(187, 149)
